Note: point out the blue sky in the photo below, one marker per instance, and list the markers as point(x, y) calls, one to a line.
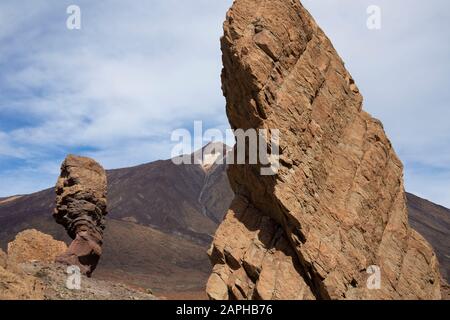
point(139, 69)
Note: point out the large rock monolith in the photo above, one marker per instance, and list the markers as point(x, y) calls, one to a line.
point(81, 208)
point(332, 222)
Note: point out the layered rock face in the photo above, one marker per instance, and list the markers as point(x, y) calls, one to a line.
point(81, 209)
point(336, 206)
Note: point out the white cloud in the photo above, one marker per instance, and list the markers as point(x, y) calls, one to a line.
point(7, 149)
point(136, 71)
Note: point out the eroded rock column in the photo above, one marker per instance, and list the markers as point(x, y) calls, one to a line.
point(81, 208)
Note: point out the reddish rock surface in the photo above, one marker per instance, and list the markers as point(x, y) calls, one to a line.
point(337, 204)
point(81, 209)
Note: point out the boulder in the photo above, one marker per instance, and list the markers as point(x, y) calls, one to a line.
point(30, 245)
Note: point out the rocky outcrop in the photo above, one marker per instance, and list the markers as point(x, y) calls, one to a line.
point(14, 283)
point(260, 262)
point(336, 206)
point(81, 209)
point(32, 245)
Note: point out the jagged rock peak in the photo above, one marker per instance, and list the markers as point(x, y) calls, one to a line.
point(335, 209)
point(81, 208)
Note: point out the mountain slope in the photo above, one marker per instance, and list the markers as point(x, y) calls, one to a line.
point(433, 222)
point(162, 195)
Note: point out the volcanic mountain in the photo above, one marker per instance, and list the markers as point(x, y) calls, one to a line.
point(162, 218)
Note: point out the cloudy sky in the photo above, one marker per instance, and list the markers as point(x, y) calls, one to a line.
point(137, 70)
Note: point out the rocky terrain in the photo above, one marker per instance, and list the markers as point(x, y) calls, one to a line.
point(29, 271)
point(337, 204)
